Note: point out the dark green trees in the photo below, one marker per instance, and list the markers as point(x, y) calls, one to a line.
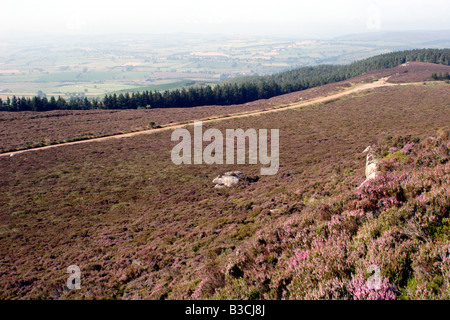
point(238, 90)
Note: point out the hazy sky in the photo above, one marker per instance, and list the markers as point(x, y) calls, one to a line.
point(259, 17)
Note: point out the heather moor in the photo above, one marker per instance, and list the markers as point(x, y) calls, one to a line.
point(213, 166)
point(139, 226)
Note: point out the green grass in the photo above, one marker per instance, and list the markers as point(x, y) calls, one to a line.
point(168, 86)
point(78, 76)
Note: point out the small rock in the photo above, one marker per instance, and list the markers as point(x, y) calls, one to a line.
point(371, 165)
point(237, 174)
point(228, 179)
point(137, 262)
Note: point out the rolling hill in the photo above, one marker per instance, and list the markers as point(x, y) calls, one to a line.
point(141, 227)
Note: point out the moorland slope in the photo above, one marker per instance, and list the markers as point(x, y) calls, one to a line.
point(141, 227)
point(32, 129)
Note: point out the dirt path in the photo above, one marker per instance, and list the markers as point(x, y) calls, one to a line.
point(380, 83)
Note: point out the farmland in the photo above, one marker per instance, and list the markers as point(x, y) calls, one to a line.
point(84, 66)
point(141, 227)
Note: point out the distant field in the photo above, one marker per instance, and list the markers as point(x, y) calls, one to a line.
point(140, 227)
point(60, 67)
point(76, 76)
point(167, 86)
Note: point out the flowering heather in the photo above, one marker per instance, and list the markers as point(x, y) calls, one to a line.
point(384, 191)
point(408, 148)
point(297, 258)
point(140, 227)
point(359, 289)
point(398, 222)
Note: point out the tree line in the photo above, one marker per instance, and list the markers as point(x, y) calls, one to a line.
point(440, 76)
point(233, 91)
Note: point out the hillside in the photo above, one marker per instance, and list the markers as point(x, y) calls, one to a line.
point(140, 227)
point(29, 129)
point(412, 71)
point(397, 223)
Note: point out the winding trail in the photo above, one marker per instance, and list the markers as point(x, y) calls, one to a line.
point(358, 88)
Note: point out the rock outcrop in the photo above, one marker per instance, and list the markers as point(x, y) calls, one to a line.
point(229, 179)
point(371, 164)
